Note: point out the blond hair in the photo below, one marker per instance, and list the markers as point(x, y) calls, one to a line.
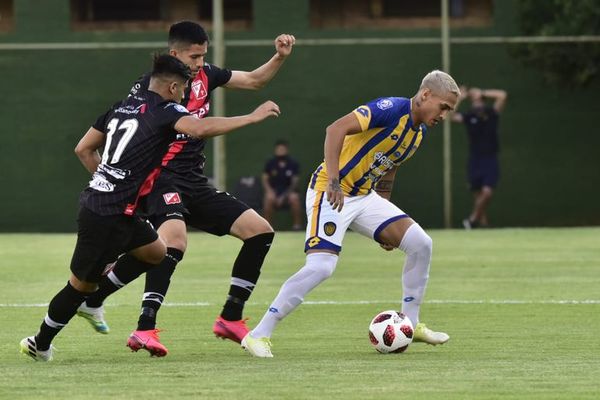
point(440, 82)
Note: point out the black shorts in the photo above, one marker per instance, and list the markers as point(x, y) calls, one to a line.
point(101, 239)
point(483, 171)
point(204, 207)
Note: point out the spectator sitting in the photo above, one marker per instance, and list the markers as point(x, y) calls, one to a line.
point(280, 178)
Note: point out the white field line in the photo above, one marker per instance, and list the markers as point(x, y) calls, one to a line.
point(310, 42)
point(342, 303)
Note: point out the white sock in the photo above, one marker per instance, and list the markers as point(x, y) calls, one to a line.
point(319, 266)
point(418, 246)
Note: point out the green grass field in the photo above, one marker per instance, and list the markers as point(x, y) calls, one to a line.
point(521, 306)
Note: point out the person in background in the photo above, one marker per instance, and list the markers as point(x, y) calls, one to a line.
point(481, 122)
point(280, 179)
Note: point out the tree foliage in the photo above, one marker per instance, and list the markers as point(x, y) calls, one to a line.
point(563, 63)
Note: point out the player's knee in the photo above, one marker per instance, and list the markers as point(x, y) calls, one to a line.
point(250, 224)
point(154, 253)
point(83, 287)
point(174, 233)
point(154, 257)
point(261, 227)
point(261, 241)
point(322, 264)
point(416, 240)
point(179, 243)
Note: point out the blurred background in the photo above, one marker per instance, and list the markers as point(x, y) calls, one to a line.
point(63, 62)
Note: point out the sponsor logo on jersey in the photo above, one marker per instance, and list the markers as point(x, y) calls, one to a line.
point(199, 90)
point(100, 183)
point(129, 109)
point(202, 111)
point(384, 104)
point(182, 136)
point(172, 198)
point(329, 228)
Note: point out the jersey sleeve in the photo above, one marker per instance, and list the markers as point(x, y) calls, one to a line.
point(171, 113)
point(101, 122)
point(381, 113)
point(217, 76)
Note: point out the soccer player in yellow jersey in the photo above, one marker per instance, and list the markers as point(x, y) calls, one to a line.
point(351, 189)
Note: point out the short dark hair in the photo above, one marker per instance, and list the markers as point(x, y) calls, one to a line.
point(282, 142)
point(187, 33)
point(167, 66)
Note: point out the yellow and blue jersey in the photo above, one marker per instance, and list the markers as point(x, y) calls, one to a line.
point(388, 138)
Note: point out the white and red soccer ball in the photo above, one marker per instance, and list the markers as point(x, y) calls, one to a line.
point(391, 332)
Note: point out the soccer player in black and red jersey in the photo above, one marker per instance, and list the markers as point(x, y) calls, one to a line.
point(135, 134)
point(182, 195)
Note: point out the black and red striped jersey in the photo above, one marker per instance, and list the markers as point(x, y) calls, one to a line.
point(187, 163)
point(139, 130)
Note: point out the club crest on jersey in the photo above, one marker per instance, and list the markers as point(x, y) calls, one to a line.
point(199, 90)
point(384, 104)
point(172, 198)
point(329, 228)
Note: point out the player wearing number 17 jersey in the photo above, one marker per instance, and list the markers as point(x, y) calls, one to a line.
point(182, 197)
point(135, 135)
point(352, 188)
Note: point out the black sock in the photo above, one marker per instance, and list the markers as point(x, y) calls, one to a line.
point(60, 311)
point(245, 273)
point(127, 269)
point(157, 284)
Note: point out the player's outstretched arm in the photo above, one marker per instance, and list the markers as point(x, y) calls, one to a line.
point(87, 149)
point(216, 126)
point(254, 80)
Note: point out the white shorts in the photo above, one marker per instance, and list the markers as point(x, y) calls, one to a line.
point(367, 215)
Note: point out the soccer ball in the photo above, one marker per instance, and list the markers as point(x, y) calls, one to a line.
point(391, 332)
